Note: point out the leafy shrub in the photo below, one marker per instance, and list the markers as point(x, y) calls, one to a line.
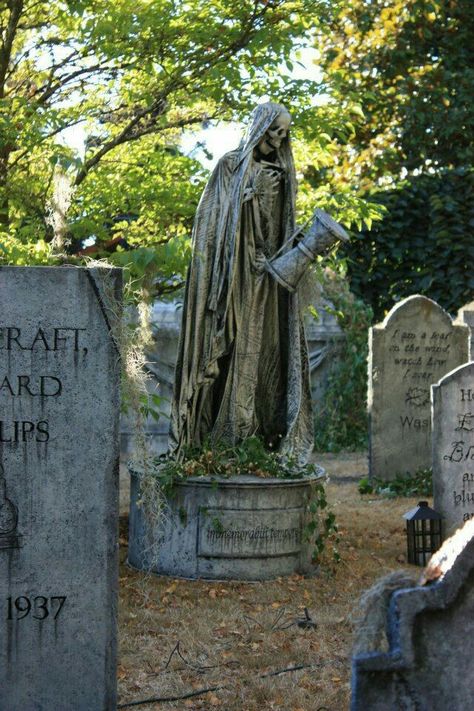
point(419, 484)
point(221, 460)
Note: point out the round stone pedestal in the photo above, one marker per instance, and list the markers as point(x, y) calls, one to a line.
point(241, 528)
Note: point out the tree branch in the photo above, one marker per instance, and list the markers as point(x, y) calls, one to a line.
point(16, 8)
point(48, 90)
point(133, 130)
point(161, 289)
point(128, 133)
point(20, 156)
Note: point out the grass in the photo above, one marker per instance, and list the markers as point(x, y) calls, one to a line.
point(180, 636)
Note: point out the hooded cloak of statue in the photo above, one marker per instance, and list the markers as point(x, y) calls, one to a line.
point(242, 365)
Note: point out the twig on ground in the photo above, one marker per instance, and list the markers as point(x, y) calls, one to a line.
point(307, 621)
point(280, 614)
point(162, 699)
point(247, 617)
point(176, 646)
point(197, 667)
point(286, 670)
point(208, 690)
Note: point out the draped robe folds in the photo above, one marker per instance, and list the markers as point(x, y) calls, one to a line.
point(242, 365)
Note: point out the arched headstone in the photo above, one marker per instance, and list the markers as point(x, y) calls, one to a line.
point(415, 346)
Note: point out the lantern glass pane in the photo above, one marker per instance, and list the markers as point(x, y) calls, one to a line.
point(423, 539)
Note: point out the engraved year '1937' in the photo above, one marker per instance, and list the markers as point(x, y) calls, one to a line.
point(39, 607)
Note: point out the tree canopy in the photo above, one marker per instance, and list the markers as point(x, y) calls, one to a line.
point(129, 78)
point(410, 64)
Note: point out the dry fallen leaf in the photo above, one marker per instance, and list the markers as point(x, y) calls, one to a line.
point(121, 672)
point(221, 631)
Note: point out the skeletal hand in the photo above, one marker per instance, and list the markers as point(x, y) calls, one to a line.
point(266, 182)
point(259, 263)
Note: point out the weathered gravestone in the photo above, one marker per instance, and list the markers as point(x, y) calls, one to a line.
point(417, 654)
point(415, 346)
point(59, 403)
point(466, 315)
point(453, 447)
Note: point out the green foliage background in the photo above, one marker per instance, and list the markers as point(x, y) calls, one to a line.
point(424, 244)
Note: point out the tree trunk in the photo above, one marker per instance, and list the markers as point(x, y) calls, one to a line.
point(4, 203)
point(7, 38)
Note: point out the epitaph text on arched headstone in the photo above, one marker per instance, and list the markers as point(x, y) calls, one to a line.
point(59, 405)
point(413, 348)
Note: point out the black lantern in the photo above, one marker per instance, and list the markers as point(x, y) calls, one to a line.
point(423, 533)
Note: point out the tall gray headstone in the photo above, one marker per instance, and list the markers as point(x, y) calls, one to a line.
point(453, 447)
point(411, 349)
point(466, 315)
point(59, 437)
point(422, 660)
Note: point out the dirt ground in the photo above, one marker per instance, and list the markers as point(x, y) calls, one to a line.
point(241, 642)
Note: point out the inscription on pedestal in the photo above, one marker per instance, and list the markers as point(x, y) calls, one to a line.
point(249, 534)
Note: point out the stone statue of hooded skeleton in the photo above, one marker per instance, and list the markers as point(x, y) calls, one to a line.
point(242, 365)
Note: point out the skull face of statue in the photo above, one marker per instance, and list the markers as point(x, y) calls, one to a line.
point(275, 134)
